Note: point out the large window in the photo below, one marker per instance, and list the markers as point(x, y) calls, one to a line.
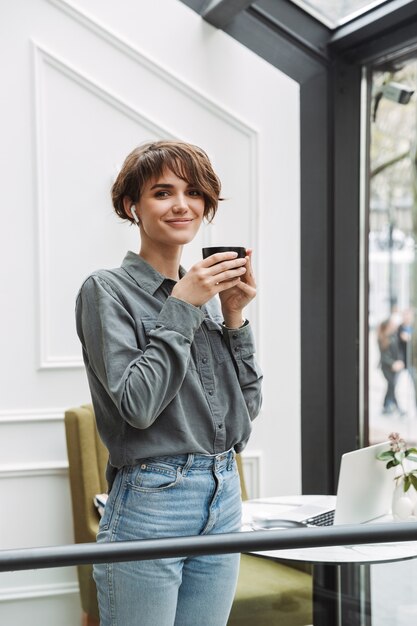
point(334, 14)
point(392, 252)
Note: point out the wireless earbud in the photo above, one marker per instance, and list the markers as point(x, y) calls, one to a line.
point(134, 214)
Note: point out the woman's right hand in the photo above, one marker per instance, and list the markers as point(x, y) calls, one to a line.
point(209, 277)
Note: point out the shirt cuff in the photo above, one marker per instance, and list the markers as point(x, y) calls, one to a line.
point(241, 340)
point(181, 317)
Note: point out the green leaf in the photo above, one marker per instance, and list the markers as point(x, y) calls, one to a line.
point(384, 456)
point(411, 450)
point(392, 463)
point(412, 457)
point(399, 456)
point(413, 480)
point(407, 483)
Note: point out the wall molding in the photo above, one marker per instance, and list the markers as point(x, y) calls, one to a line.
point(33, 592)
point(16, 416)
point(34, 470)
point(43, 57)
point(155, 67)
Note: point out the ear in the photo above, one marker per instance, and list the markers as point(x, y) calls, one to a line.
point(127, 206)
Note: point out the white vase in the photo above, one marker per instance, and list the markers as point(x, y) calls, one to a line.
point(404, 503)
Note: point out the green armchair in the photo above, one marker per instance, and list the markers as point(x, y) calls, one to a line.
point(87, 458)
point(268, 592)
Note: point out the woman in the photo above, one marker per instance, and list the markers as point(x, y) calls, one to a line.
point(175, 387)
point(391, 363)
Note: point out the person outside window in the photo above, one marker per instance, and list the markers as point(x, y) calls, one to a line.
point(391, 363)
point(405, 339)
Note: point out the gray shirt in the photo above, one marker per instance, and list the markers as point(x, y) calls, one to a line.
point(165, 376)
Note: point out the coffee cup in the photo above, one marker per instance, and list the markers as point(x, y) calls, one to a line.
point(241, 252)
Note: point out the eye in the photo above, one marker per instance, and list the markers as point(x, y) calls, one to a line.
point(195, 192)
point(161, 194)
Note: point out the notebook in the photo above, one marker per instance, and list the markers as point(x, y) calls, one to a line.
point(364, 493)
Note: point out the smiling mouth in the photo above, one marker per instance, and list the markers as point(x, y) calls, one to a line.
point(180, 221)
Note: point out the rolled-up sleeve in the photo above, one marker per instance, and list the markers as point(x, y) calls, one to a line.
point(140, 380)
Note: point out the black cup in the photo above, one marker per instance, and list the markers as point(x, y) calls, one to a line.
point(241, 252)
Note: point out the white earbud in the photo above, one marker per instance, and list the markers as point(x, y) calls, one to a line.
point(134, 214)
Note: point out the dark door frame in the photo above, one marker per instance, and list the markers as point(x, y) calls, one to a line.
point(329, 66)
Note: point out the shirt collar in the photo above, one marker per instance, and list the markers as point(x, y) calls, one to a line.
point(144, 274)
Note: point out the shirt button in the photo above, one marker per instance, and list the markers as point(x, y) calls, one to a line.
point(219, 426)
point(143, 466)
point(210, 393)
point(235, 336)
point(236, 349)
point(204, 360)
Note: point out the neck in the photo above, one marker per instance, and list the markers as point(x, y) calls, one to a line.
point(165, 260)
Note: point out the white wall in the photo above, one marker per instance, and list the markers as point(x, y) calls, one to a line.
point(87, 81)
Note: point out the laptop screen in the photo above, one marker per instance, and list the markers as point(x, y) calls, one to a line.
point(365, 486)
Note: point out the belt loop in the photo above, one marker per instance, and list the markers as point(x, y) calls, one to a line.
point(230, 460)
point(188, 464)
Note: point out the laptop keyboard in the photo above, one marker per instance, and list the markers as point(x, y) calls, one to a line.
point(323, 519)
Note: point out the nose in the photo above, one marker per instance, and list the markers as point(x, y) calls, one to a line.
point(180, 204)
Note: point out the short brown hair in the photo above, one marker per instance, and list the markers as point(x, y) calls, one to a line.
point(148, 161)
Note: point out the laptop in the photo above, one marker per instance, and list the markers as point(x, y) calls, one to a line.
point(364, 493)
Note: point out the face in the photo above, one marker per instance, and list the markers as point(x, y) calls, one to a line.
point(170, 211)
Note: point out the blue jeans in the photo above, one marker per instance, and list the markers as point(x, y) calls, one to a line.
point(170, 496)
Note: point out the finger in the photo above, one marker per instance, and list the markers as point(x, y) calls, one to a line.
point(229, 274)
point(249, 277)
point(248, 290)
point(227, 284)
point(219, 268)
point(217, 258)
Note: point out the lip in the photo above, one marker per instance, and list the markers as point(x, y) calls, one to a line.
point(179, 221)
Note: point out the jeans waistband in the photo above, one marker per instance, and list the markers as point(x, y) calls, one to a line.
point(195, 461)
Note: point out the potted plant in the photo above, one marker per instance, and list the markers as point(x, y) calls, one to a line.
point(404, 502)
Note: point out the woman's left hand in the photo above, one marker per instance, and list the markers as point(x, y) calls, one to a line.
point(234, 300)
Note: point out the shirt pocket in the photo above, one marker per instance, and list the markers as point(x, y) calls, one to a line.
point(217, 343)
point(149, 324)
